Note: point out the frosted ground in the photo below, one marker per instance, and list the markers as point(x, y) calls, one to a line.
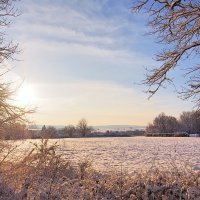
point(130, 153)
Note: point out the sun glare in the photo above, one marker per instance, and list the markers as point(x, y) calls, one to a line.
point(26, 95)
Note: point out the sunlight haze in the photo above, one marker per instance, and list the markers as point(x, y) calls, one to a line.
point(86, 59)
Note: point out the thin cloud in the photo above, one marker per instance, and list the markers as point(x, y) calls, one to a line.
point(66, 23)
point(83, 57)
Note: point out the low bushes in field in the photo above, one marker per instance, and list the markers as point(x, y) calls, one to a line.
point(44, 174)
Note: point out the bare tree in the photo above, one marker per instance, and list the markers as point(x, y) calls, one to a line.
point(186, 122)
point(163, 124)
point(176, 24)
point(51, 132)
point(9, 113)
point(15, 131)
point(83, 127)
point(70, 130)
point(190, 122)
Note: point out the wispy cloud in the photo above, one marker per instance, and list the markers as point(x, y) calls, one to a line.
point(83, 57)
point(71, 23)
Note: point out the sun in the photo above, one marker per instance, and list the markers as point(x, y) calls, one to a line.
point(26, 95)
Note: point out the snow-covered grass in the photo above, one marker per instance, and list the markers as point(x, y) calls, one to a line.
point(132, 153)
point(47, 172)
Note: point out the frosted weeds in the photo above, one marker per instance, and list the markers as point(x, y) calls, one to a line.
point(130, 153)
point(44, 174)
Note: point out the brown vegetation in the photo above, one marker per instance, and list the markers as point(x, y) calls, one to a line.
point(44, 174)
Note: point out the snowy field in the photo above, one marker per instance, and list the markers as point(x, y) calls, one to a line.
point(130, 153)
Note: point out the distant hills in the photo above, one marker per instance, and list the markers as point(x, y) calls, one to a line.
point(100, 127)
point(118, 127)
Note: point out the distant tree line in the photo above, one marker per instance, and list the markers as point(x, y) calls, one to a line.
point(123, 133)
point(82, 129)
point(188, 122)
point(14, 131)
point(21, 131)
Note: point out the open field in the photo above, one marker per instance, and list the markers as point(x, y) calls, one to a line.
point(131, 153)
point(126, 168)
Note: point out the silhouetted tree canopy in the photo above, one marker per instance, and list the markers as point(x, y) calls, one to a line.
point(190, 122)
point(163, 124)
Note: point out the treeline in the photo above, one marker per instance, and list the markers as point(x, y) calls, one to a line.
point(124, 133)
point(82, 129)
point(22, 131)
point(14, 130)
point(188, 122)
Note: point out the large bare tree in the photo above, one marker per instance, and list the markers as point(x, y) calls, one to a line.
point(83, 128)
point(9, 112)
point(176, 23)
point(163, 124)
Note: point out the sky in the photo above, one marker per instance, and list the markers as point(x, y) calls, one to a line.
point(86, 59)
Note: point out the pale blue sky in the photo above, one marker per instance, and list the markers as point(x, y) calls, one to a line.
point(83, 58)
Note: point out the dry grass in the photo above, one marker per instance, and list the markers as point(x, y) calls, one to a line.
point(42, 174)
